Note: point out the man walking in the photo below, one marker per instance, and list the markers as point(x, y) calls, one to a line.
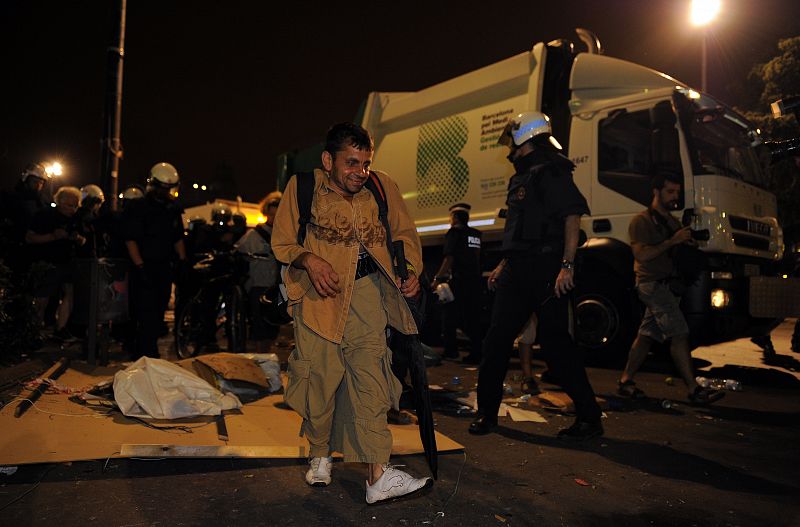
point(654, 234)
point(537, 274)
point(343, 292)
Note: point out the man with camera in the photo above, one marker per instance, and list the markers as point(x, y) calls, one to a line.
point(655, 235)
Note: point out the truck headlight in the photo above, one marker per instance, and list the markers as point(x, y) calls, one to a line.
point(720, 298)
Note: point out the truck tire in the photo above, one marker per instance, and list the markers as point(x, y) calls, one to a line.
point(605, 321)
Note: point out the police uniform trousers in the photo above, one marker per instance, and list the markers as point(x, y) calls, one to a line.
point(150, 289)
point(464, 312)
point(526, 285)
point(343, 391)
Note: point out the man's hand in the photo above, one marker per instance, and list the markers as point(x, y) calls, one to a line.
point(323, 277)
point(564, 282)
point(60, 234)
point(681, 236)
point(409, 288)
point(494, 276)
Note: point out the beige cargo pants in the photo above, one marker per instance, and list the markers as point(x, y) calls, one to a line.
point(343, 391)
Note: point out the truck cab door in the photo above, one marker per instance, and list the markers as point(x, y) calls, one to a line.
point(634, 143)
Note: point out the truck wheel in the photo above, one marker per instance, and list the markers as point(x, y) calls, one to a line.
point(603, 322)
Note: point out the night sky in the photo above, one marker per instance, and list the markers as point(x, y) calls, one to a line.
point(234, 83)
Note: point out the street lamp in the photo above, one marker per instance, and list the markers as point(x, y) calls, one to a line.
point(703, 12)
point(54, 169)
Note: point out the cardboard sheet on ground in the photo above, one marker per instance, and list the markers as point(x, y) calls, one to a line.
point(71, 432)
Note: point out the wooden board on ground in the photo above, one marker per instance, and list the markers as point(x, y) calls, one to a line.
point(57, 430)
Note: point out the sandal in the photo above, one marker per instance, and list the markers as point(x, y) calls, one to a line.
point(629, 389)
point(530, 386)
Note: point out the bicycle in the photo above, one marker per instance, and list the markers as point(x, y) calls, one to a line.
point(217, 307)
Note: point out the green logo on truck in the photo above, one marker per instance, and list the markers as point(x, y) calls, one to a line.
point(442, 176)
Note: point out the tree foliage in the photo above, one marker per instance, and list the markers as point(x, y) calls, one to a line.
point(773, 80)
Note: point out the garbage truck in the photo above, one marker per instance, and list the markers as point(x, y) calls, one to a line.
point(620, 123)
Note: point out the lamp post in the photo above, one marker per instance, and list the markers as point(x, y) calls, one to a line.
point(703, 12)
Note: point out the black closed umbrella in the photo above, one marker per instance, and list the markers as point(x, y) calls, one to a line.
point(411, 347)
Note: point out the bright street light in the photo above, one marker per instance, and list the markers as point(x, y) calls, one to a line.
point(703, 12)
point(54, 169)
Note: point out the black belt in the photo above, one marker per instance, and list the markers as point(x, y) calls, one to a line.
point(366, 266)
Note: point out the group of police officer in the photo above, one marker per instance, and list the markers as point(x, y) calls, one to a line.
point(54, 235)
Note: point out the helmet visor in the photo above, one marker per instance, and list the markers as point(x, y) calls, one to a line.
point(506, 136)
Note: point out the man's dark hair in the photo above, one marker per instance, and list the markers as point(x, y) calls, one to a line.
point(342, 135)
point(461, 216)
point(659, 180)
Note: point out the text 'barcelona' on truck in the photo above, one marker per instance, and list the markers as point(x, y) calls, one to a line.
point(620, 123)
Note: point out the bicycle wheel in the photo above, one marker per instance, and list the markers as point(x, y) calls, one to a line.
point(236, 323)
point(190, 335)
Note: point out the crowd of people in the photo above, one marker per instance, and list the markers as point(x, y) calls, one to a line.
point(47, 242)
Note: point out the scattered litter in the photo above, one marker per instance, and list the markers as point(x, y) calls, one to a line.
point(500, 518)
point(435, 387)
point(7, 471)
point(471, 368)
point(670, 381)
point(582, 482)
point(158, 388)
point(456, 381)
point(507, 389)
point(520, 415)
point(249, 475)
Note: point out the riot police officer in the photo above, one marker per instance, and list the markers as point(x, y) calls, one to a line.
point(17, 208)
point(88, 223)
point(461, 268)
point(539, 242)
point(153, 231)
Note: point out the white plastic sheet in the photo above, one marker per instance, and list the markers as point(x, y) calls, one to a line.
point(157, 388)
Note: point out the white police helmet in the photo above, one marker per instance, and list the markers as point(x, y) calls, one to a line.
point(132, 192)
point(163, 174)
point(92, 192)
point(36, 170)
point(524, 127)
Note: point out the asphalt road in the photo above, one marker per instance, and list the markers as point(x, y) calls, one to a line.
point(732, 464)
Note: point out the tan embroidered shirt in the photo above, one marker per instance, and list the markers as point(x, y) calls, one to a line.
point(336, 230)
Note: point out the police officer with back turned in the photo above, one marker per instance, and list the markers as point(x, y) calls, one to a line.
point(537, 274)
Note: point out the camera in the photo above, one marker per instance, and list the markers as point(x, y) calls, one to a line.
point(701, 235)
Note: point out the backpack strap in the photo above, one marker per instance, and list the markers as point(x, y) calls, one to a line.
point(375, 186)
point(305, 195)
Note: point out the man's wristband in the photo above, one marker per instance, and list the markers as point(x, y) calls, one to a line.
point(567, 264)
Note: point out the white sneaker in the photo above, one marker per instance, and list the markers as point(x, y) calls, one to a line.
point(319, 475)
point(394, 483)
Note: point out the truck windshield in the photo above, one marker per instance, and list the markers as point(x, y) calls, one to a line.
point(722, 143)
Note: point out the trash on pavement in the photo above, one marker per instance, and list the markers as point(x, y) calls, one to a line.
point(249, 376)
point(518, 414)
point(7, 471)
point(160, 389)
